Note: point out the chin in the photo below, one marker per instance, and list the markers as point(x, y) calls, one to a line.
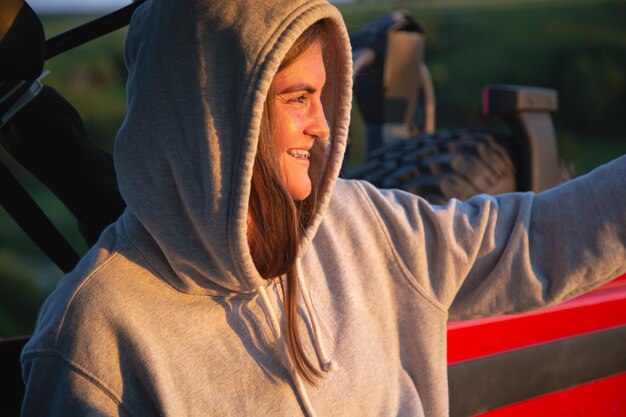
point(300, 191)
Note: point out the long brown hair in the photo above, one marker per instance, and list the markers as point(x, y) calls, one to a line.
point(277, 221)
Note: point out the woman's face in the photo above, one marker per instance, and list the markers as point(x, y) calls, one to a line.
point(298, 118)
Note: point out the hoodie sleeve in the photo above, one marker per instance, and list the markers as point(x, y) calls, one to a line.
point(510, 253)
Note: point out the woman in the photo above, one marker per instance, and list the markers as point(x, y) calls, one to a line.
point(245, 279)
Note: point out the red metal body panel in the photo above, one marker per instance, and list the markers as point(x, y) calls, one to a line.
point(603, 398)
point(600, 309)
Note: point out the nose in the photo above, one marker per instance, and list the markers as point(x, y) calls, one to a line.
point(318, 125)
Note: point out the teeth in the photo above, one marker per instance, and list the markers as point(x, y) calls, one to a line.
point(299, 153)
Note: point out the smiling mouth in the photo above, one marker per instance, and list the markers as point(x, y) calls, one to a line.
point(299, 153)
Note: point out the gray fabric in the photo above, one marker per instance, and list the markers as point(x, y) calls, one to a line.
point(166, 314)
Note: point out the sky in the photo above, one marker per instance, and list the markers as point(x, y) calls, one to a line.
point(83, 6)
point(76, 6)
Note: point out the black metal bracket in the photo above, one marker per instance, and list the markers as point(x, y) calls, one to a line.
point(527, 111)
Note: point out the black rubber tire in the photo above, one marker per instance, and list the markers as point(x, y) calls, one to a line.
point(440, 166)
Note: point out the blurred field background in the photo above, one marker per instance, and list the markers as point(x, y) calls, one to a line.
point(577, 47)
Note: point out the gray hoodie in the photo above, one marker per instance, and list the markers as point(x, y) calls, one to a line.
point(167, 315)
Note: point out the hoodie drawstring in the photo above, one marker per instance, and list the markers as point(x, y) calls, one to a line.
point(300, 388)
point(325, 362)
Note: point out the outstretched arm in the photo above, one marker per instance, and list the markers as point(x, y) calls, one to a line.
point(514, 252)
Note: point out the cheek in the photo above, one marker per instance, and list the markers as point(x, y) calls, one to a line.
point(285, 129)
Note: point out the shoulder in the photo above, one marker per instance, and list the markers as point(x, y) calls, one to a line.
point(353, 193)
point(357, 208)
point(345, 190)
point(89, 322)
point(103, 281)
point(349, 200)
point(360, 199)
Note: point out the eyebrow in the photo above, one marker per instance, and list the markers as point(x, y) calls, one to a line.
point(298, 87)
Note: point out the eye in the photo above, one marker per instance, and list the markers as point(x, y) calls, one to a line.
point(300, 99)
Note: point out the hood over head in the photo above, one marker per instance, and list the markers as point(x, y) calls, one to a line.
point(199, 73)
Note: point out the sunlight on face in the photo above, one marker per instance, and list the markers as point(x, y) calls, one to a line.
point(298, 118)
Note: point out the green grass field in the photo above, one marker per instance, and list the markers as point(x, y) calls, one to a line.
point(576, 47)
